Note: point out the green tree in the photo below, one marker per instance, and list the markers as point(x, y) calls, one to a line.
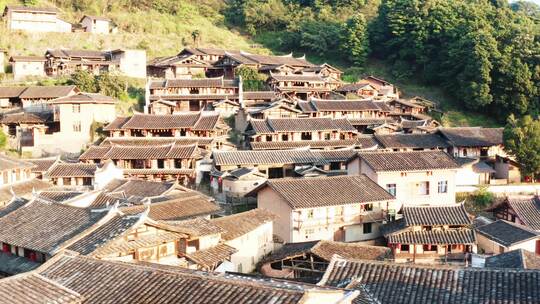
point(110, 85)
point(84, 80)
point(355, 40)
point(251, 79)
point(522, 140)
point(196, 36)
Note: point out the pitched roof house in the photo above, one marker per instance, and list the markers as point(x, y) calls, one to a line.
point(503, 236)
point(341, 208)
point(34, 19)
point(520, 210)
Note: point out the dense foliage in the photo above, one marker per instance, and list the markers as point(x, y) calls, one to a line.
point(251, 79)
point(522, 140)
point(484, 53)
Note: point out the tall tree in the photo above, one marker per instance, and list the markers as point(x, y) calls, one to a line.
point(355, 40)
point(522, 140)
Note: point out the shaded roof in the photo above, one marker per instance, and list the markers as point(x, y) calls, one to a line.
point(436, 215)
point(86, 54)
point(473, 136)
point(25, 118)
point(527, 210)
point(196, 227)
point(327, 105)
point(517, 258)
point(45, 227)
point(27, 59)
point(11, 92)
point(11, 264)
point(314, 144)
point(506, 233)
point(48, 91)
point(327, 249)
point(117, 123)
point(266, 157)
point(353, 87)
point(239, 224)
point(211, 256)
point(328, 191)
point(100, 281)
point(272, 125)
point(42, 164)
point(290, 250)
point(408, 161)
point(22, 189)
point(409, 283)
point(86, 98)
point(105, 233)
point(249, 95)
point(61, 170)
point(31, 9)
point(32, 288)
point(425, 141)
point(9, 163)
point(170, 151)
point(442, 237)
point(58, 196)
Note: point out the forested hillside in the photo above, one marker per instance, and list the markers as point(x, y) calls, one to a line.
point(479, 55)
point(484, 54)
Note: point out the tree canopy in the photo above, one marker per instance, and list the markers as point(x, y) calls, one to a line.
point(522, 140)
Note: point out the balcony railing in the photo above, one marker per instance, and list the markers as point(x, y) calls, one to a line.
point(357, 218)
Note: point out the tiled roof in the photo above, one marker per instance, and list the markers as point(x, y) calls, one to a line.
point(109, 231)
point(326, 249)
point(253, 95)
point(32, 288)
point(86, 98)
point(307, 124)
point(138, 172)
point(60, 170)
point(24, 117)
point(45, 227)
point(27, 59)
point(196, 227)
point(86, 54)
point(22, 189)
point(290, 250)
point(58, 196)
point(121, 244)
point(195, 121)
point(408, 161)
point(517, 258)
point(11, 92)
point(46, 10)
point(404, 283)
point(352, 87)
point(94, 152)
point(156, 141)
point(177, 207)
point(212, 256)
point(436, 215)
point(299, 78)
point(506, 233)
point(328, 191)
point(369, 121)
point(195, 83)
point(444, 237)
point(344, 105)
point(314, 144)
point(528, 211)
point(239, 224)
point(42, 164)
point(101, 281)
point(337, 155)
point(7, 163)
point(473, 136)
point(267, 157)
point(141, 152)
point(424, 141)
point(47, 92)
point(117, 123)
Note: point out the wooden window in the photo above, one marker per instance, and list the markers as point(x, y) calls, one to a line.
point(443, 187)
point(366, 228)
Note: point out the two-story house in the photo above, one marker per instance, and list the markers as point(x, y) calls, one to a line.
point(340, 208)
point(414, 178)
point(34, 19)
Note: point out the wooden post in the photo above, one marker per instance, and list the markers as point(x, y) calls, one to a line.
point(414, 253)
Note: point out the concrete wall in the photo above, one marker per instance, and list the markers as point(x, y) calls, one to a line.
point(270, 200)
point(488, 246)
point(37, 22)
point(132, 62)
point(21, 70)
point(95, 26)
point(252, 247)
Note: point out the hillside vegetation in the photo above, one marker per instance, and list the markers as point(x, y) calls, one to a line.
point(161, 27)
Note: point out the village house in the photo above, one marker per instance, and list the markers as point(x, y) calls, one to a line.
point(191, 94)
point(69, 120)
point(9, 98)
point(95, 24)
point(385, 90)
point(23, 67)
point(387, 282)
point(194, 126)
point(177, 67)
point(473, 172)
point(410, 142)
point(349, 144)
point(516, 259)
point(262, 63)
point(279, 163)
point(503, 236)
point(238, 182)
point(361, 89)
point(72, 278)
point(341, 208)
point(16, 98)
point(301, 86)
point(350, 109)
point(298, 129)
point(42, 165)
point(61, 62)
point(474, 142)
point(34, 19)
point(71, 174)
point(414, 178)
point(428, 234)
point(307, 261)
point(507, 170)
point(16, 180)
point(520, 210)
point(406, 107)
point(251, 234)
